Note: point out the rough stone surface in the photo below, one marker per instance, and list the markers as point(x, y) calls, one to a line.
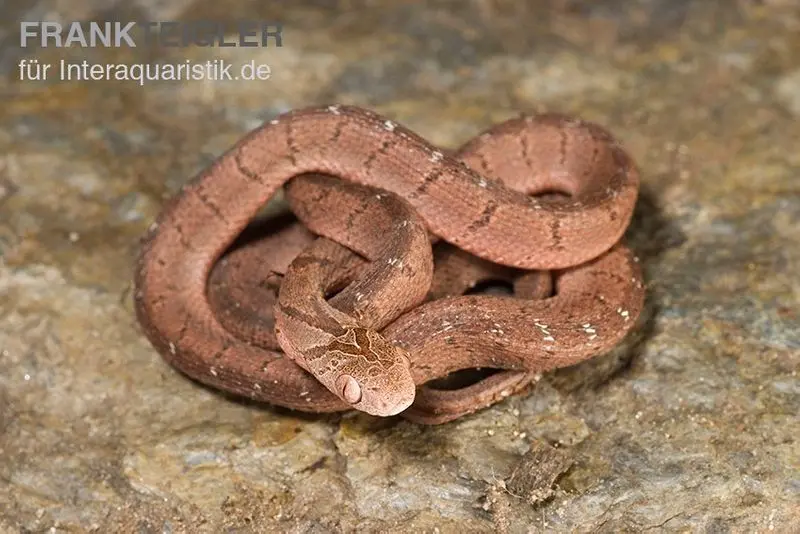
point(693, 427)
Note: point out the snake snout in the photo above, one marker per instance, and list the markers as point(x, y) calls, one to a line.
point(396, 395)
point(374, 375)
point(398, 407)
point(385, 402)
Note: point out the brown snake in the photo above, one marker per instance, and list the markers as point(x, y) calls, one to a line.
point(597, 295)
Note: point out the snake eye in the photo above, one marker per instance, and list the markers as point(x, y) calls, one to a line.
point(351, 391)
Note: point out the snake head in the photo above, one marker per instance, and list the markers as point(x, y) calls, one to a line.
point(371, 374)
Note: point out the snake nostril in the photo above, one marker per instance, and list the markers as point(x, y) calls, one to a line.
point(397, 407)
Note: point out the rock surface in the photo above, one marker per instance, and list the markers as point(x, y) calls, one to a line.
point(693, 426)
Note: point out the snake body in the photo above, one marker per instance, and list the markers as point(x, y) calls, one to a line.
point(478, 200)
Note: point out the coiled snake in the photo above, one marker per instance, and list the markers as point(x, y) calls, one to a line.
point(336, 313)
